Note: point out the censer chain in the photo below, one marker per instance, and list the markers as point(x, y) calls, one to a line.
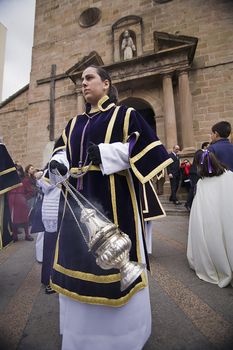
point(75, 219)
point(87, 201)
point(72, 190)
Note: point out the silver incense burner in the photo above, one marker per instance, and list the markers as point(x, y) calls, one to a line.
point(109, 245)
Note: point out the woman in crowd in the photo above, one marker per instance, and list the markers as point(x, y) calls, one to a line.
point(124, 151)
point(18, 207)
point(30, 185)
point(210, 239)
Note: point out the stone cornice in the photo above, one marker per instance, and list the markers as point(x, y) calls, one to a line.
point(166, 40)
point(178, 56)
point(156, 64)
point(92, 59)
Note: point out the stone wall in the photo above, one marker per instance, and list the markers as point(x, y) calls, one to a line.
point(14, 126)
point(212, 91)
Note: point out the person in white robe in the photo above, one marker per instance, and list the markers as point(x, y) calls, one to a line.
point(210, 239)
point(50, 212)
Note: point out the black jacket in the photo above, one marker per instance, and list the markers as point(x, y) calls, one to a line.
point(174, 168)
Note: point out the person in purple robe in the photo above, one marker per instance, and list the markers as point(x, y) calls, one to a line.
point(9, 180)
point(117, 151)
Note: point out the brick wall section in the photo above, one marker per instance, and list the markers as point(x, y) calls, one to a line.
point(14, 126)
point(58, 39)
point(212, 91)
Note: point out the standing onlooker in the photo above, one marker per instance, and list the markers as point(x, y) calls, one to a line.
point(221, 146)
point(30, 185)
point(18, 208)
point(173, 171)
point(194, 177)
point(210, 239)
point(185, 174)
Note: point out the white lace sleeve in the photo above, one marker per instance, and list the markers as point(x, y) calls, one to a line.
point(114, 157)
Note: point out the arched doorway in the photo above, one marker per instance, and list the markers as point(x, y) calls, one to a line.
point(143, 108)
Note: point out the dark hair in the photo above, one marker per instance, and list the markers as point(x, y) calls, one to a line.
point(222, 128)
point(112, 92)
point(27, 169)
point(205, 144)
point(197, 156)
point(208, 165)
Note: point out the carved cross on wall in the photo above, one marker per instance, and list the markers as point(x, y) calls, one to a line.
point(52, 102)
point(52, 79)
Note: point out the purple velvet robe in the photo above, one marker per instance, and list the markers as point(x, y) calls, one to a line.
point(9, 180)
point(75, 272)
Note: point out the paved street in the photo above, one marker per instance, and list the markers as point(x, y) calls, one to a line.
point(187, 313)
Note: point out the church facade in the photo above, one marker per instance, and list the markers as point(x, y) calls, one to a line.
point(170, 59)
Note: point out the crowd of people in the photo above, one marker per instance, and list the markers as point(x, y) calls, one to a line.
point(113, 168)
point(20, 199)
point(183, 175)
point(30, 206)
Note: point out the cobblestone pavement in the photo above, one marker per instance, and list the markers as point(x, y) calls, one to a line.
point(187, 312)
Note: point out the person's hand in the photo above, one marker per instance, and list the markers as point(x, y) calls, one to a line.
point(38, 174)
point(54, 165)
point(94, 154)
point(170, 176)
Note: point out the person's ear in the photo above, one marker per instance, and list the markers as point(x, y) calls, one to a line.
point(106, 85)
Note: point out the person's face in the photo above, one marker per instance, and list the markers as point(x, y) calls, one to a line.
point(214, 136)
point(93, 88)
point(31, 170)
point(176, 149)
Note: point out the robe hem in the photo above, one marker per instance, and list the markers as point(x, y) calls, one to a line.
point(99, 300)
